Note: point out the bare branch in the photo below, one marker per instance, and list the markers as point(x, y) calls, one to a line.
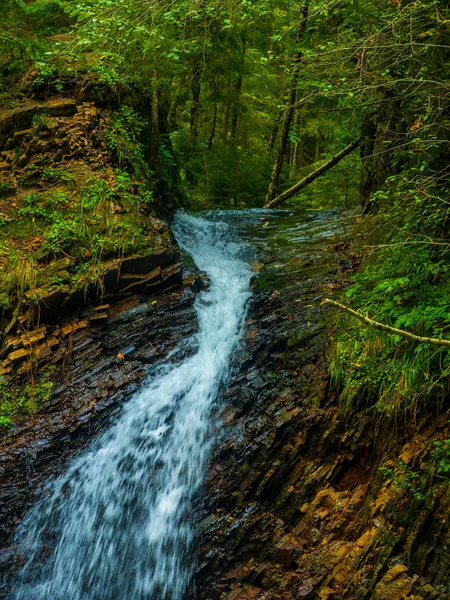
point(401, 332)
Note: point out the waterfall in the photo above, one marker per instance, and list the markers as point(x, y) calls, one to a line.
point(117, 525)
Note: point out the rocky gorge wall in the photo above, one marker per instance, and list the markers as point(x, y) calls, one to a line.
point(79, 229)
point(103, 364)
point(90, 285)
point(296, 504)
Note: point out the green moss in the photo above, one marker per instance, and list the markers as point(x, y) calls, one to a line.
point(67, 234)
point(123, 137)
point(24, 398)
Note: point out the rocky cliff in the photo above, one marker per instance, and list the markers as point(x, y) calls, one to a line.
point(79, 225)
point(301, 500)
point(102, 364)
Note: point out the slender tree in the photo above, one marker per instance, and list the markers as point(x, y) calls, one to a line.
point(237, 94)
point(195, 106)
point(288, 110)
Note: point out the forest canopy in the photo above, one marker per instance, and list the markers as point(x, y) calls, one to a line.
point(244, 84)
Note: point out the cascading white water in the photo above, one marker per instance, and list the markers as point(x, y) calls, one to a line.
point(116, 525)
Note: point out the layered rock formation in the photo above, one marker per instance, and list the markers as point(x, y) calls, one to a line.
point(59, 314)
point(57, 184)
point(303, 501)
point(101, 365)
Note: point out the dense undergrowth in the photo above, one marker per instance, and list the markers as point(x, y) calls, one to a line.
point(75, 215)
point(404, 282)
point(404, 279)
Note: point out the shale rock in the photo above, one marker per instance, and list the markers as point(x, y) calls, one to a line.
point(295, 503)
point(99, 368)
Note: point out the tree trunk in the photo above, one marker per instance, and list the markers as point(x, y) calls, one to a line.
point(381, 130)
point(288, 112)
point(273, 134)
point(195, 107)
point(234, 118)
point(294, 148)
point(172, 111)
point(300, 156)
point(154, 146)
point(276, 126)
point(237, 98)
point(213, 127)
point(316, 147)
point(226, 113)
point(312, 176)
point(282, 139)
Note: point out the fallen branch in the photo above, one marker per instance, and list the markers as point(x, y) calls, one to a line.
point(292, 191)
point(394, 330)
point(407, 244)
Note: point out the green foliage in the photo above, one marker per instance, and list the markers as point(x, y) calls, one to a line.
point(225, 175)
point(5, 422)
point(64, 234)
point(405, 283)
point(123, 137)
point(405, 479)
point(385, 372)
point(43, 206)
point(109, 70)
point(440, 456)
point(243, 55)
point(90, 227)
point(39, 122)
point(24, 34)
point(96, 195)
point(92, 220)
point(16, 398)
point(48, 16)
point(54, 175)
point(123, 184)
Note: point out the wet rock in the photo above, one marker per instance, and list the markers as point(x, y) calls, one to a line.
point(297, 485)
point(395, 585)
point(92, 384)
point(198, 284)
point(21, 117)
